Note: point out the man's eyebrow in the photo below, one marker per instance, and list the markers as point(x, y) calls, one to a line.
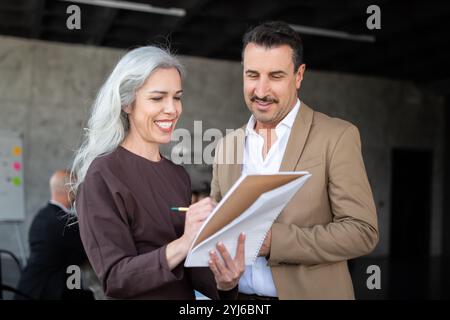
point(278, 72)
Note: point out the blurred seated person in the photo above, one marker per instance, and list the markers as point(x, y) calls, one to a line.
point(55, 244)
point(201, 193)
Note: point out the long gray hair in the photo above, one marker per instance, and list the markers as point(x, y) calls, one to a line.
point(108, 124)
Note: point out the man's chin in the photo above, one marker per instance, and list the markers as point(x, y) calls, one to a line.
point(263, 118)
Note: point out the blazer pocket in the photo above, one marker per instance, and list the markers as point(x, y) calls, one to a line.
point(310, 163)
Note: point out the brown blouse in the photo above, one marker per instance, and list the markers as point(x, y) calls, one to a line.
point(125, 220)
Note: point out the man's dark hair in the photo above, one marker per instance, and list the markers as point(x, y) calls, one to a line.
point(273, 34)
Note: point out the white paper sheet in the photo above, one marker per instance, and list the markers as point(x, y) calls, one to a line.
point(255, 222)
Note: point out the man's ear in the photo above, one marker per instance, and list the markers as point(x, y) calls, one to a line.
point(299, 75)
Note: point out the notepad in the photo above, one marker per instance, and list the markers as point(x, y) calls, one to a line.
point(250, 206)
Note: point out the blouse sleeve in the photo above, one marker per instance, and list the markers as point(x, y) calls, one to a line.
point(107, 238)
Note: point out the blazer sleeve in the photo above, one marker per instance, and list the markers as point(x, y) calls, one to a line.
point(108, 241)
point(216, 194)
point(353, 231)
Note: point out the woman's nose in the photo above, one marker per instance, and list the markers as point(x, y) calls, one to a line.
point(170, 107)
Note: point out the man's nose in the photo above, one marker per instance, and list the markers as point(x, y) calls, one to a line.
point(262, 88)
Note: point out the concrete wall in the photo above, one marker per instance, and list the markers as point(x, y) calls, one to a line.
point(46, 90)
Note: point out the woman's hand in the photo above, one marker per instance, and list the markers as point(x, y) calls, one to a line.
point(228, 271)
point(177, 250)
point(195, 216)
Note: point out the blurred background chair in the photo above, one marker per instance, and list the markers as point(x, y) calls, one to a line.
point(10, 272)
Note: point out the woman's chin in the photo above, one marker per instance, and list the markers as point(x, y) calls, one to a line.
point(164, 139)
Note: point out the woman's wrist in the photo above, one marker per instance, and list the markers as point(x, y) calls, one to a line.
point(176, 252)
point(184, 244)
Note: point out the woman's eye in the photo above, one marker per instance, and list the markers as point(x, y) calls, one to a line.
point(177, 98)
point(156, 98)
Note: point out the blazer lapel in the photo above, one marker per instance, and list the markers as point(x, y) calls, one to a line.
point(235, 156)
point(297, 138)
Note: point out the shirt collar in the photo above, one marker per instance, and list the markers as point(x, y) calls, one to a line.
point(287, 121)
point(59, 204)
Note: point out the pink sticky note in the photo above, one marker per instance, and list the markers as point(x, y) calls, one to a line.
point(17, 166)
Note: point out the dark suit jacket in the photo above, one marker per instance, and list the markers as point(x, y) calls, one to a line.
point(53, 247)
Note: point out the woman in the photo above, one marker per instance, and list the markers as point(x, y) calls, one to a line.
point(125, 188)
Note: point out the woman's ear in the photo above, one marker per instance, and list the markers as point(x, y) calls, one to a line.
point(127, 109)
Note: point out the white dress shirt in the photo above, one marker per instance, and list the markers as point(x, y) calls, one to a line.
point(257, 279)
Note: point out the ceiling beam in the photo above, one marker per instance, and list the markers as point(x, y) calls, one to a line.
point(37, 13)
point(418, 46)
point(107, 20)
point(441, 86)
point(191, 13)
point(132, 6)
point(269, 12)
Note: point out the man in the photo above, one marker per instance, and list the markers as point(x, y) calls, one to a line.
point(332, 218)
point(53, 247)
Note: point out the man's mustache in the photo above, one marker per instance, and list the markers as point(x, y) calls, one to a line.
point(263, 99)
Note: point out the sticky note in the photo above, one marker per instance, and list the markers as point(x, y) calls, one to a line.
point(17, 166)
point(16, 181)
point(16, 151)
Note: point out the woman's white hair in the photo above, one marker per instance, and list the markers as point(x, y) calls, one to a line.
point(108, 124)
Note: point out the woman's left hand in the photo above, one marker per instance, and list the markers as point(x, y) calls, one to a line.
point(228, 271)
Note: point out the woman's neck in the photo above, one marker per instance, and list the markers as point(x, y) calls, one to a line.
point(144, 149)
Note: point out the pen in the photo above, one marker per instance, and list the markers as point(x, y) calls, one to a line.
point(180, 209)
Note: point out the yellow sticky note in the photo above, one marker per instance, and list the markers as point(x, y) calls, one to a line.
point(16, 151)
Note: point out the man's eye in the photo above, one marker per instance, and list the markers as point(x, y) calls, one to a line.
point(252, 76)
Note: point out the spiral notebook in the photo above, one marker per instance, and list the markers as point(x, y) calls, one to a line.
point(251, 206)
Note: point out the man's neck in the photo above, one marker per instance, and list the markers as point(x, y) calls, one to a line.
point(272, 125)
point(268, 133)
point(62, 204)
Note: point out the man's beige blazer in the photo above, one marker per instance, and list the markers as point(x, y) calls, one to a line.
point(330, 220)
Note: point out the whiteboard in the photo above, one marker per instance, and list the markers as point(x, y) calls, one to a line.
point(12, 207)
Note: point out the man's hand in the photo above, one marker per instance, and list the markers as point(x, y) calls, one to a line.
point(264, 251)
point(228, 271)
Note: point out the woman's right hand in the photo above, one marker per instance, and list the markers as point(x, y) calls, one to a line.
point(177, 250)
point(195, 216)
